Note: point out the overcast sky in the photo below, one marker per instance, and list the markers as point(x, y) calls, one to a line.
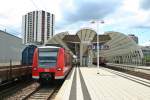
point(126, 16)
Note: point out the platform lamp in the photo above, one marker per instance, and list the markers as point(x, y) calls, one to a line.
point(97, 21)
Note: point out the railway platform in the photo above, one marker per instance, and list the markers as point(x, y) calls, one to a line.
point(83, 83)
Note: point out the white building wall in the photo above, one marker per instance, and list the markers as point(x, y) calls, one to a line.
point(35, 25)
point(53, 26)
point(32, 29)
point(10, 50)
point(26, 29)
point(45, 29)
point(39, 38)
point(50, 26)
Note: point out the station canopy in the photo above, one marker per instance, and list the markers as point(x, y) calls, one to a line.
point(121, 48)
point(84, 36)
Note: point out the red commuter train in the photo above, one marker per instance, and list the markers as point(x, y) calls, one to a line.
point(51, 62)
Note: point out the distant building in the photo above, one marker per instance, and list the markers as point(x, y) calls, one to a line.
point(37, 27)
point(146, 50)
point(135, 38)
point(146, 54)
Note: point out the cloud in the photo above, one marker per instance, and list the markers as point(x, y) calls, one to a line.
point(2, 16)
point(146, 43)
point(123, 15)
point(129, 16)
point(11, 15)
point(142, 27)
point(86, 10)
point(145, 4)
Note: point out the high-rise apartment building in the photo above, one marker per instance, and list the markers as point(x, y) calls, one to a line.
point(37, 27)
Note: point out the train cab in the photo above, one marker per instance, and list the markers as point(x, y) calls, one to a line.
point(51, 62)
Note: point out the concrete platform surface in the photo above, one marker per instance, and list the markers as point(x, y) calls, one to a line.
point(83, 83)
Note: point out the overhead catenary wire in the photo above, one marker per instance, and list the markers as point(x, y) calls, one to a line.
point(37, 7)
point(34, 4)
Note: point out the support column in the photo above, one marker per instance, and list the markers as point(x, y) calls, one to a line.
point(91, 56)
point(76, 49)
point(123, 59)
point(130, 59)
point(81, 53)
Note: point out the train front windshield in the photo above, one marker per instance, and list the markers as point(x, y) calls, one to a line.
point(47, 57)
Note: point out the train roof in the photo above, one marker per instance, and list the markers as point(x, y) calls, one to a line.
point(49, 47)
point(57, 45)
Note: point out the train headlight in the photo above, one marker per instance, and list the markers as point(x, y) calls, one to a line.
point(35, 68)
point(59, 69)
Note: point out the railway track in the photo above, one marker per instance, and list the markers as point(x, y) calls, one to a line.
point(11, 88)
point(130, 77)
point(131, 72)
point(23, 92)
point(41, 94)
point(45, 92)
point(34, 91)
point(9, 84)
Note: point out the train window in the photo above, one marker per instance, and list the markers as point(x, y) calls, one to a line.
point(47, 58)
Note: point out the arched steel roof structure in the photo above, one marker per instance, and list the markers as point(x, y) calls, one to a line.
point(58, 39)
point(86, 37)
point(86, 34)
point(122, 49)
